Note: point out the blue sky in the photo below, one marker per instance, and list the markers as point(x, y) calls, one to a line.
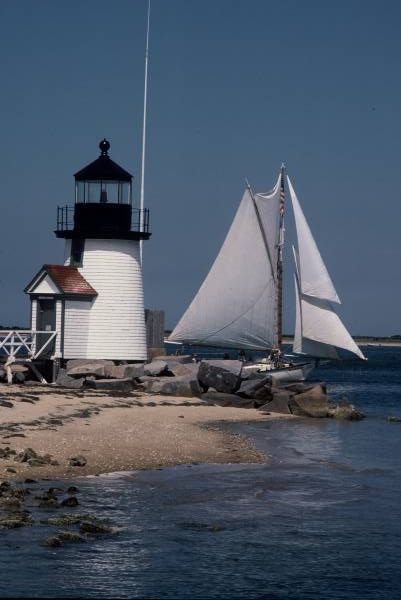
point(236, 87)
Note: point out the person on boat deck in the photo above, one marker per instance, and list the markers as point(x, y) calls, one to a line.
point(275, 357)
point(241, 356)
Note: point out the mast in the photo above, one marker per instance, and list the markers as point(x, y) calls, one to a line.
point(145, 96)
point(279, 299)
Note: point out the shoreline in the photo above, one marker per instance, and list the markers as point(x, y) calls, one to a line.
point(119, 432)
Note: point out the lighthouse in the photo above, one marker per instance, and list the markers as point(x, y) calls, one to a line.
point(95, 299)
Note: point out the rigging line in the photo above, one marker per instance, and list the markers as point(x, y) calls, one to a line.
point(239, 316)
point(262, 231)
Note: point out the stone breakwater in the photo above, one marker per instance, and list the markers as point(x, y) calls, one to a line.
point(216, 382)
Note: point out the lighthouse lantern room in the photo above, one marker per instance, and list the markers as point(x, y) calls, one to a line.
point(95, 300)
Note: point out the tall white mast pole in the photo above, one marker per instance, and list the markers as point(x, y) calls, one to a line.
point(145, 97)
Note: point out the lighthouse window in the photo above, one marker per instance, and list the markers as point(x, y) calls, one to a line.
point(77, 251)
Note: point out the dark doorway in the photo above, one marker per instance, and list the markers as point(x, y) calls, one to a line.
point(46, 321)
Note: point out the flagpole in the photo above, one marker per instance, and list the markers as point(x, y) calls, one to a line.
point(145, 97)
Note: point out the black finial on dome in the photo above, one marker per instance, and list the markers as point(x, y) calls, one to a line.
point(104, 147)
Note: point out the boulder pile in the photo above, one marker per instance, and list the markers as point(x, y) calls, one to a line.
point(99, 375)
point(215, 382)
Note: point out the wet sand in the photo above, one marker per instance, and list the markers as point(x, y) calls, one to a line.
point(118, 432)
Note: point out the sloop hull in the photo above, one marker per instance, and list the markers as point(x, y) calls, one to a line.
point(284, 374)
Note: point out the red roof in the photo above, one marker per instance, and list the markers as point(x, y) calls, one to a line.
point(69, 280)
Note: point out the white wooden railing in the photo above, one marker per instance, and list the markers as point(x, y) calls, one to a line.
point(25, 343)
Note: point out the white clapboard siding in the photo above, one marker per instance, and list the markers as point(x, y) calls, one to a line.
point(116, 325)
point(59, 320)
point(76, 328)
point(34, 313)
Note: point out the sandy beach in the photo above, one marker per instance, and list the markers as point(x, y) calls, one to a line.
point(116, 433)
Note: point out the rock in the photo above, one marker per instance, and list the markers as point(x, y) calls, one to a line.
point(52, 542)
point(16, 520)
point(393, 419)
point(118, 385)
point(95, 527)
point(222, 375)
point(7, 452)
point(72, 490)
point(19, 377)
point(70, 536)
point(90, 368)
point(32, 458)
point(26, 455)
point(180, 369)
point(249, 387)
point(49, 502)
point(186, 386)
point(312, 403)
point(10, 502)
point(18, 368)
point(263, 394)
point(220, 399)
point(156, 368)
point(82, 362)
point(71, 501)
point(250, 374)
point(6, 404)
point(18, 493)
point(144, 379)
point(77, 461)
point(297, 388)
point(10, 470)
point(37, 462)
point(279, 404)
point(346, 411)
point(64, 380)
point(172, 359)
point(124, 371)
point(66, 520)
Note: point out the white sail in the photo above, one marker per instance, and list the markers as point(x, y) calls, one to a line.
point(235, 306)
point(320, 323)
point(319, 331)
point(301, 344)
point(315, 279)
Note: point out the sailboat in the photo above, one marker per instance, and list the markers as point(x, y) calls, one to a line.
point(239, 304)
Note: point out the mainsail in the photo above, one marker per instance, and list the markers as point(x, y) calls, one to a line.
point(236, 304)
point(319, 331)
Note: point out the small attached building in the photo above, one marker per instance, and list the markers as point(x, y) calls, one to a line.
point(95, 300)
point(61, 300)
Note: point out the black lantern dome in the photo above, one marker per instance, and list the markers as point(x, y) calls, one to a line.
point(103, 203)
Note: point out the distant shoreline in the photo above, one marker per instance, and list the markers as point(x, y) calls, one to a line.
point(361, 341)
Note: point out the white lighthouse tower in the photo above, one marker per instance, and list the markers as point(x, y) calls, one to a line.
point(95, 300)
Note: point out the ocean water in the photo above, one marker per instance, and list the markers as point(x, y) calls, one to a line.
point(322, 520)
